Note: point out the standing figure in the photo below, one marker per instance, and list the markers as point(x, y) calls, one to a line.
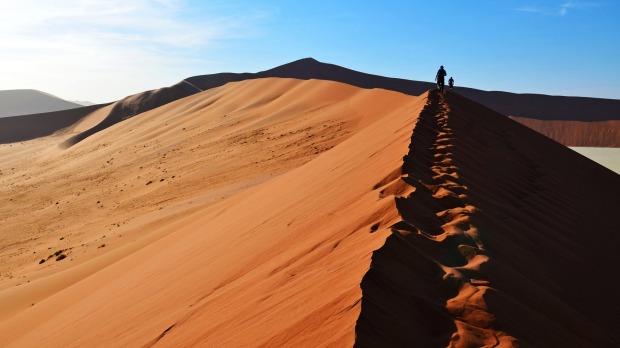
point(451, 82)
point(440, 78)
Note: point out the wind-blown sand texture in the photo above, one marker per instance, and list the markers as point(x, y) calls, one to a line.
point(284, 212)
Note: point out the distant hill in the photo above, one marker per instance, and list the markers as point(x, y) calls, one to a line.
point(18, 102)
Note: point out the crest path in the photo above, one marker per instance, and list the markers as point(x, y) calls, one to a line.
point(495, 244)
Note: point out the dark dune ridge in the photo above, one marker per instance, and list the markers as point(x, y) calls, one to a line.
point(28, 127)
point(576, 133)
point(499, 241)
point(524, 105)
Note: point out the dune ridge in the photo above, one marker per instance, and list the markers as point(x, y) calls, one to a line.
point(577, 133)
point(528, 106)
point(28, 127)
point(439, 283)
point(458, 269)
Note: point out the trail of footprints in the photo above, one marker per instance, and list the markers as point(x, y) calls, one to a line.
point(437, 211)
point(441, 285)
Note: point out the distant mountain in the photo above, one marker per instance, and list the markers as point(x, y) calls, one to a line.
point(18, 102)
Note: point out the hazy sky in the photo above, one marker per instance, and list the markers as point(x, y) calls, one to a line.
point(103, 50)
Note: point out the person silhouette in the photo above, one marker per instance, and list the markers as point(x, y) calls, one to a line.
point(451, 83)
point(441, 73)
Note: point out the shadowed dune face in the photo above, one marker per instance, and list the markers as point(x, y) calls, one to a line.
point(545, 210)
point(493, 251)
point(546, 107)
point(29, 127)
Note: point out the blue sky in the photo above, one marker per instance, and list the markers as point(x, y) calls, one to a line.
point(103, 50)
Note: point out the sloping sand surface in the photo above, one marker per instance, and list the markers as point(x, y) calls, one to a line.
point(184, 154)
point(97, 198)
point(280, 212)
point(241, 272)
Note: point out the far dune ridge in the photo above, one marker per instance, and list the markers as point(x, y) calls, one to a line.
point(577, 133)
point(17, 102)
point(303, 213)
point(549, 114)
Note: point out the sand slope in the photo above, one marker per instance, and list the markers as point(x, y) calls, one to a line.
point(217, 140)
point(254, 260)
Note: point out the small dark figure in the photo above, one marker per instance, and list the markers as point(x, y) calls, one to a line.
point(441, 73)
point(451, 83)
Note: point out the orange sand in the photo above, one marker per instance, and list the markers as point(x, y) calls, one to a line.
point(577, 133)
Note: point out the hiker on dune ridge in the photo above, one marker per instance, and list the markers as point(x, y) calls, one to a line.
point(441, 73)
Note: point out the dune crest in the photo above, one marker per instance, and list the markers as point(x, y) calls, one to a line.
point(432, 266)
point(485, 254)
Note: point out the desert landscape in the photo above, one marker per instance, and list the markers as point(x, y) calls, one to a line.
point(310, 205)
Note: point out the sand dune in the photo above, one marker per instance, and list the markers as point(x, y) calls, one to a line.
point(28, 127)
point(496, 243)
point(119, 184)
point(577, 133)
point(282, 212)
point(546, 107)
